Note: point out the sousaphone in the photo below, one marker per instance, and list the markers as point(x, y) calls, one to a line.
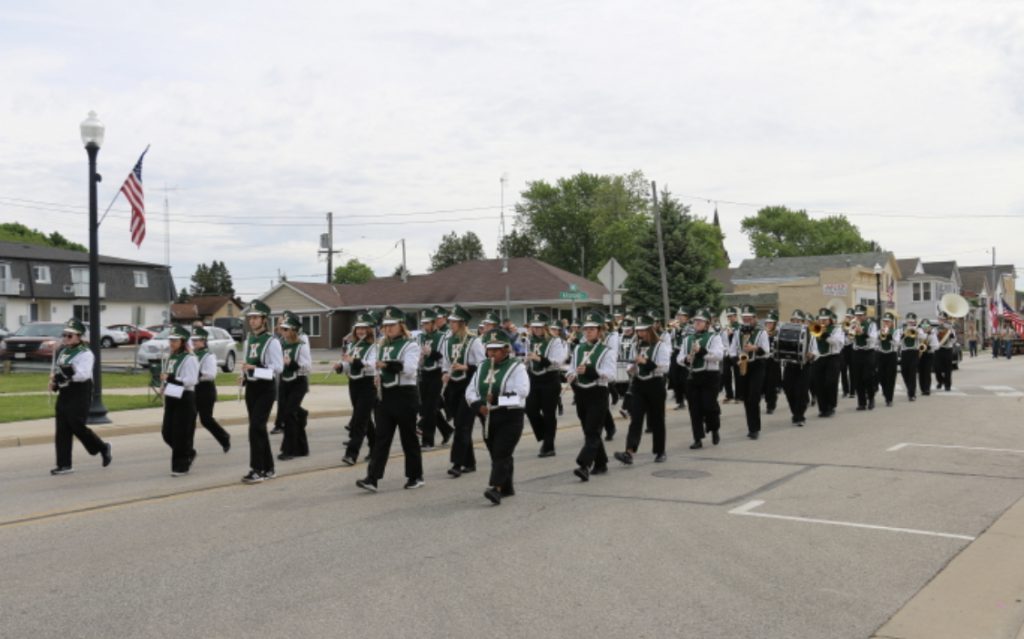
point(954, 305)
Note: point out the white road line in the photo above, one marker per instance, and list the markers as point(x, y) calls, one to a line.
point(991, 450)
point(746, 509)
point(1004, 391)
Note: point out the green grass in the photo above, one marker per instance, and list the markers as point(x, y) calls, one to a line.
point(36, 382)
point(16, 409)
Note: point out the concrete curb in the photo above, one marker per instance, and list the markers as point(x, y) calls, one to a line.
point(135, 429)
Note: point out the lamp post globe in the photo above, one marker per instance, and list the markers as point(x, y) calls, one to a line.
point(92, 130)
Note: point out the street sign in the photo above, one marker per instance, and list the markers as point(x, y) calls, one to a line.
point(606, 299)
point(573, 294)
point(612, 275)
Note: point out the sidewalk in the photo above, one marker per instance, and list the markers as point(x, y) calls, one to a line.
point(321, 401)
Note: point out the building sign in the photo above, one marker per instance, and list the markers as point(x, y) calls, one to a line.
point(835, 290)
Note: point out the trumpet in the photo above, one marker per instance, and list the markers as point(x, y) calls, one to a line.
point(911, 333)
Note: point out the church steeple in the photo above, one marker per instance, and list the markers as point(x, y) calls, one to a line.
point(721, 236)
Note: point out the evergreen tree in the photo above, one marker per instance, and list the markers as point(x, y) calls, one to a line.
point(212, 280)
point(183, 296)
point(455, 249)
point(688, 260)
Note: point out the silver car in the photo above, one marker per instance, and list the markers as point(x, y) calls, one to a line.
point(220, 343)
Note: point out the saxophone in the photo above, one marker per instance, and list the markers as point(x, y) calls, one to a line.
point(744, 357)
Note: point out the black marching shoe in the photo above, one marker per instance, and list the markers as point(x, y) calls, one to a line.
point(414, 483)
point(254, 477)
point(277, 430)
point(696, 445)
point(599, 470)
point(912, 398)
point(367, 484)
point(610, 436)
point(226, 445)
point(285, 457)
point(468, 469)
point(715, 438)
point(799, 423)
point(624, 457)
point(871, 404)
point(546, 453)
point(660, 458)
point(348, 461)
point(753, 435)
point(455, 471)
point(61, 470)
point(107, 458)
point(582, 472)
point(493, 495)
point(888, 404)
point(862, 407)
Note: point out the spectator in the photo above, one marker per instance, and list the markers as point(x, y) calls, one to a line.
point(972, 339)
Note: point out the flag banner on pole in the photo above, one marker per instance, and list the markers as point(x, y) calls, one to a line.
point(890, 290)
point(132, 189)
point(1013, 317)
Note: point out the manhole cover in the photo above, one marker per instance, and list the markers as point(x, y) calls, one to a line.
point(681, 473)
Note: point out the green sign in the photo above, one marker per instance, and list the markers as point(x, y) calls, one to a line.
point(573, 295)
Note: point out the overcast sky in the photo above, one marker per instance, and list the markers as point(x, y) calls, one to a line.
point(264, 116)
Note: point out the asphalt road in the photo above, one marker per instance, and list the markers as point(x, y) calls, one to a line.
point(822, 531)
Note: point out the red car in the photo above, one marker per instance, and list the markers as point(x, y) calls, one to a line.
point(136, 334)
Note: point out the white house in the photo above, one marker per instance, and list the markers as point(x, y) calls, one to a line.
point(39, 283)
point(923, 285)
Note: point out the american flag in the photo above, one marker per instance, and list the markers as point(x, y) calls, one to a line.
point(1013, 317)
point(890, 290)
point(132, 189)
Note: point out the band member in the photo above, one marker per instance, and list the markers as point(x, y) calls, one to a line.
point(751, 344)
point(796, 374)
point(430, 381)
point(623, 364)
point(462, 354)
point(946, 339)
point(179, 379)
point(359, 362)
point(293, 388)
point(928, 345)
point(910, 355)
point(612, 340)
point(443, 418)
point(263, 363)
point(677, 373)
point(728, 333)
point(650, 365)
point(772, 367)
point(206, 389)
point(825, 371)
point(846, 358)
point(398, 356)
point(593, 368)
point(543, 364)
point(498, 392)
point(702, 352)
point(888, 341)
point(863, 334)
point(71, 379)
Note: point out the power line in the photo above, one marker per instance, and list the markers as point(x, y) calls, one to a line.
point(885, 214)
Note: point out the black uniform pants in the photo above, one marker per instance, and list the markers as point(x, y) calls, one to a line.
point(845, 363)
point(944, 368)
point(542, 408)
point(294, 441)
point(430, 402)
point(825, 376)
point(504, 428)
point(772, 380)
point(796, 380)
point(72, 412)
point(887, 373)
point(728, 373)
point(924, 372)
point(648, 402)
point(179, 429)
point(206, 397)
point(909, 360)
point(702, 394)
point(397, 409)
point(363, 395)
point(593, 403)
point(462, 453)
point(259, 400)
point(750, 387)
point(862, 375)
point(677, 375)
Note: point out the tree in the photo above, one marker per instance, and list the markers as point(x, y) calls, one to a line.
point(398, 271)
point(777, 231)
point(581, 221)
point(15, 232)
point(518, 244)
point(212, 280)
point(353, 272)
point(455, 249)
point(708, 237)
point(689, 258)
point(183, 296)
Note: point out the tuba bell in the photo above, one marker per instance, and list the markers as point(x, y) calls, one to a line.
point(954, 305)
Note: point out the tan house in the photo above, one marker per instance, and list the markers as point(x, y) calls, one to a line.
point(328, 310)
point(809, 283)
point(206, 308)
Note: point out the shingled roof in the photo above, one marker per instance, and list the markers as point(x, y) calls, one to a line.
point(975, 278)
point(789, 268)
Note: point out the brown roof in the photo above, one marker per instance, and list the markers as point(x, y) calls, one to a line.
point(907, 266)
point(474, 283)
point(210, 304)
point(974, 278)
point(184, 312)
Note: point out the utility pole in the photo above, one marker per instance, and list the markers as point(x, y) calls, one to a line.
point(501, 240)
point(327, 246)
point(661, 252)
point(405, 271)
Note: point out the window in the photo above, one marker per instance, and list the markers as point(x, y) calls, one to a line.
point(922, 291)
point(81, 313)
point(79, 275)
point(41, 274)
point(141, 281)
point(5, 271)
point(311, 325)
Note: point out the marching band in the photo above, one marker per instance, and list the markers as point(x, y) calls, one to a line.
point(415, 384)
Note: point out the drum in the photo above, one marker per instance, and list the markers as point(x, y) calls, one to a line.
point(791, 343)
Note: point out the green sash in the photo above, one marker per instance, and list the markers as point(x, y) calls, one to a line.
point(491, 378)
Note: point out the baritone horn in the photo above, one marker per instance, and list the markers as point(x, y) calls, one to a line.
point(954, 305)
point(816, 329)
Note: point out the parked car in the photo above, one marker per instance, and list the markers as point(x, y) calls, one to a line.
point(4, 332)
point(220, 343)
point(109, 338)
point(35, 341)
point(233, 325)
point(136, 334)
